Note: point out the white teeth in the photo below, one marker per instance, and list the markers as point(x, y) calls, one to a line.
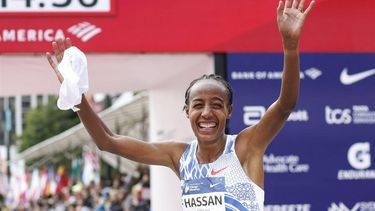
point(207, 124)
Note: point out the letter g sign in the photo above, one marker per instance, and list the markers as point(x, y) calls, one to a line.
point(359, 156)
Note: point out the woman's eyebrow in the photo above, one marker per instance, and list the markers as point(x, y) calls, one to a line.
point(197, 100)
point(218, 98)
point(213, 99)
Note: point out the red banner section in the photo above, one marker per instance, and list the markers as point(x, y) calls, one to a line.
point(189, 26)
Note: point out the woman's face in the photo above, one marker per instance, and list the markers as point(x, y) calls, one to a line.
point(208, 110)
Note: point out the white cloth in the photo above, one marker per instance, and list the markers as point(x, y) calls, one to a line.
point(73, 68)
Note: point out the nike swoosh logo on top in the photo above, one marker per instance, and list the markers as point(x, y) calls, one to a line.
point(213, 185)
point(347, 79)
point(213, 172)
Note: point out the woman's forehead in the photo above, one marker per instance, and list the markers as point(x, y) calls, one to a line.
point(210, 88)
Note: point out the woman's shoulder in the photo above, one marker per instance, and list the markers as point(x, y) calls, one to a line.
point(176, 145)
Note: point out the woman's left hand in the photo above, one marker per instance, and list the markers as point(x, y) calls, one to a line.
point(290, 20)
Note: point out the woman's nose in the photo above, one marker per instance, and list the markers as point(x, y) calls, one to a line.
point(206, 111)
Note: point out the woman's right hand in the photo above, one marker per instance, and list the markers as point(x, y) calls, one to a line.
point(58, 49)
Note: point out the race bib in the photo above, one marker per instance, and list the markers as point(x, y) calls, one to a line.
point(205, 194)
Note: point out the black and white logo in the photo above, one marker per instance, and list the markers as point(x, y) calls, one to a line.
point(84, 31)
point(338, 116)
point(287, 207)
point(252, 115)
point(359, 158)
point(31, 35)
point(312, 73)
point(277, 164)
point(359, 206)
point(348, 79)
point(358, 114)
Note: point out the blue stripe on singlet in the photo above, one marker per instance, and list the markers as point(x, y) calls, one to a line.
point(233, 204)
point(229, 148)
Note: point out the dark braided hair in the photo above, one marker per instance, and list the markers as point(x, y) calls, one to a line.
point(217, 78)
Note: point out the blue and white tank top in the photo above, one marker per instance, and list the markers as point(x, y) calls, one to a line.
point(218, 186)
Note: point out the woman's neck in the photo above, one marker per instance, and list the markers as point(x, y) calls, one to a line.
point(209, 152)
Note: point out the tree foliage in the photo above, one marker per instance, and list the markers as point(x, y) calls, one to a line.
point(45, 122)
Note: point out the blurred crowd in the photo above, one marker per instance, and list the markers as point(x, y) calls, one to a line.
point(129, 192)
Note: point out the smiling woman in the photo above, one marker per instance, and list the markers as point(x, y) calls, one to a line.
point(217, 171)
point(208, 105)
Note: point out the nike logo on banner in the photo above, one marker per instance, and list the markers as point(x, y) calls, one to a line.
point(213, 172)
point(347, 79)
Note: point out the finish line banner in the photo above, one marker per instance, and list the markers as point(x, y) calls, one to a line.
point(324, 157)
point(110, 26)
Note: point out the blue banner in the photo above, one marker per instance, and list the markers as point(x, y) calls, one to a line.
point(324, 157)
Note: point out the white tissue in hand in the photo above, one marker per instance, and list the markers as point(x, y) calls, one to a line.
point(73, 68)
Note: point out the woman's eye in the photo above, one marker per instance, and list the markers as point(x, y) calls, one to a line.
point(217, 106)
point(197, 106)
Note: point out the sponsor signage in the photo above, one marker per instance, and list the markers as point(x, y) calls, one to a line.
point(324, 156)
point(25, 7)
point(358, 206)
point(186, 26)
point(284, 164)
point(252, 115)
point(83, 31)
point(288, 207)
point(357, 114)
point(359, 158)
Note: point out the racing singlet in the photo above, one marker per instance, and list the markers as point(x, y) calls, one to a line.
point(218, 186)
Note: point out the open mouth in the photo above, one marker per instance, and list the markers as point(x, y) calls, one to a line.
point(207, 125)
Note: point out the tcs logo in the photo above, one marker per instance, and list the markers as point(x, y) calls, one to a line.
point(338, 116)
point(359, 156)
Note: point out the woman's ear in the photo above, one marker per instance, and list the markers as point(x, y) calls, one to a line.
point(186, 109)
point(230, 108)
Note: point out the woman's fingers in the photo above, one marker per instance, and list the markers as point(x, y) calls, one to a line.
point(54, 67)
point(50, 60)
point(280, 9)
point(61, 45)
point(294, 4)
point(68, 42)
point(59, 48)
point(287, 4)
point(56, 51)
point(301, 4)
point(312, 3)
